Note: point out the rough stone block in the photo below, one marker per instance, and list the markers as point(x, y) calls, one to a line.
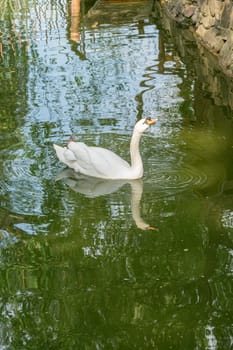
point(201, 31)
point(213, 40)
point(226, 53)
point(189, 11)
point(212, 7)
point(204, 9)
point(208, 21)
point(231, 21)
point(219, 6)
point(225, 15)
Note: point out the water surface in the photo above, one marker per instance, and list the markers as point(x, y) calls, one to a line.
point(77, 268)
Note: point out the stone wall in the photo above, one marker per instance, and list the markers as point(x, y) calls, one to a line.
point(211, 22)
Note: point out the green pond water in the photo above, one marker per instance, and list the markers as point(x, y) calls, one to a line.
point(77, 268)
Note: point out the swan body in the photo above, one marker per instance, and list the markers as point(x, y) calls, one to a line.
point(102, 163)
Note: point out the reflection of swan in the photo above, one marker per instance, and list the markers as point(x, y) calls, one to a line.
point(137, 190)
point(102, 163)
point(94, 187)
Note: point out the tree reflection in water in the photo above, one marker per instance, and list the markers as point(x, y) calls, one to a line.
point(77, 272)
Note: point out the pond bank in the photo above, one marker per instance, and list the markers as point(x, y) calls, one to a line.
point(211, 22)
point(210, 75)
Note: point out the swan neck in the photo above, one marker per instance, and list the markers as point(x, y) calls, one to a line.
point(136, 160)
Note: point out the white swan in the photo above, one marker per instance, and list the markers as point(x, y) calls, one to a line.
point(102, 163)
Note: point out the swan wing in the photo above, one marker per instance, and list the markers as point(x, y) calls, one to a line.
point(67, 156)
point(64, 155)
point(81, 153)
point(98, 161)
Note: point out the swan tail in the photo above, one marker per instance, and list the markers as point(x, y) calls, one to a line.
point(65, 155)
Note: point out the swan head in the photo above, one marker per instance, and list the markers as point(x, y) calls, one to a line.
point(143, 124)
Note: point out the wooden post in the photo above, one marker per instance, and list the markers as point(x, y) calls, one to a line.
point(75, 20)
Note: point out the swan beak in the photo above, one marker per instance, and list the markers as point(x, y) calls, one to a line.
point(151, 228)
point(151, 121)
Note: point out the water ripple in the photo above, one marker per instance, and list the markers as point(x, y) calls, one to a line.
point(172, 181)
point(21, 186)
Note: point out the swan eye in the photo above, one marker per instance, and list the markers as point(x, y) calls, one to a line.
point(148, 119)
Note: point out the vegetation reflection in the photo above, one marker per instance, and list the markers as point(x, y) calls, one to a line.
point(78, 272)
